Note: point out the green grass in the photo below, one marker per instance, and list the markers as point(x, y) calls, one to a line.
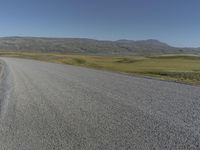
point(181, 68)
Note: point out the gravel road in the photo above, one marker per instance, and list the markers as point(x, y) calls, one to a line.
point(46, 106)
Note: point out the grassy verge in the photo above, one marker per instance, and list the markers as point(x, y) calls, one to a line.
point(181, 68)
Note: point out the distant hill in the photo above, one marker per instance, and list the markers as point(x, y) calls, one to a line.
point(89, 46)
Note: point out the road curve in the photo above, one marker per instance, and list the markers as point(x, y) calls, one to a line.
point(46, 106)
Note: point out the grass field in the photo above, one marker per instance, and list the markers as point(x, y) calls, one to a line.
point(181, 68)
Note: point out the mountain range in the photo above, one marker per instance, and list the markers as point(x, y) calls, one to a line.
point(90, 46)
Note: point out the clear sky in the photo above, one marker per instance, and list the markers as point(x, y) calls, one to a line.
point(176, 22)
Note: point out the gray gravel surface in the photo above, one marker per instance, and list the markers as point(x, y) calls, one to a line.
point(46, 106)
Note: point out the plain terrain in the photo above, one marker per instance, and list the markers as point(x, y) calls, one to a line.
point(66, 105)
point(150, 57)
point(50, 106)
point(181, 68)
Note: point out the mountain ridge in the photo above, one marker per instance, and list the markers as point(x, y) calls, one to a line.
point(89, 46)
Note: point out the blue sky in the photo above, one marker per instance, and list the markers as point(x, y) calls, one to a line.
point(176, 22)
